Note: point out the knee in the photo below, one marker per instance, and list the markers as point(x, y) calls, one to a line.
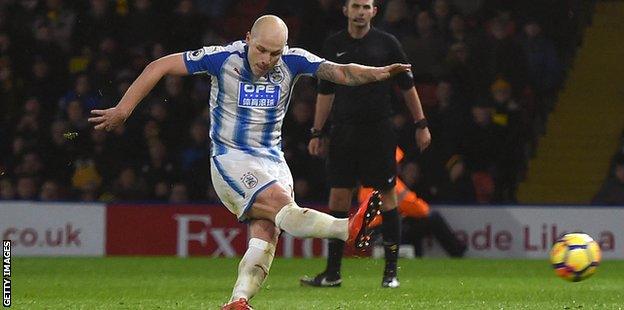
point(275, 197)
point(265, 230)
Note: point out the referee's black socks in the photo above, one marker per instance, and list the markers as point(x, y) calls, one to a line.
point(335, 248)
point(391, 231)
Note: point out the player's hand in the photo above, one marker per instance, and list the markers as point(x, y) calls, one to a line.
point(392, 70)
point(423, 138)
point(108, 119)
point(316, 147)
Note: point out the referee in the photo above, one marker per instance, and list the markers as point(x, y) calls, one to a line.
point(362, 139)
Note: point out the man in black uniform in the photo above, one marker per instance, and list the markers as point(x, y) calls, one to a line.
point(362, 139)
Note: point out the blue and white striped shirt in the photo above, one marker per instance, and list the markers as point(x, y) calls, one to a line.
point(247, 115)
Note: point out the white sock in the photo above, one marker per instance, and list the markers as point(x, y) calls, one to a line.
point(253, 269)
point(306, 223)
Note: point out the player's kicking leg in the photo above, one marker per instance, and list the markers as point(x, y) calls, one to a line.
point(310, 223)
point(340, 200)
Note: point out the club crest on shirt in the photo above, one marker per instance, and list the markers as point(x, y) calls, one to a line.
point(249, 180)
point(276, 75)
point(196, 54)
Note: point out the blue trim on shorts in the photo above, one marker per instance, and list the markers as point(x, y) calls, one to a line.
point(227, 178)
point(253, 199)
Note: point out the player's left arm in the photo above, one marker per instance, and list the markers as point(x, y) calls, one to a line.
point(355, 74)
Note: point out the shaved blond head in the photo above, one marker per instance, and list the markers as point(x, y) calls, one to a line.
point(270, 27)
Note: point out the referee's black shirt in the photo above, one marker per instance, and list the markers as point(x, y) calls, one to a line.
point(369, 102)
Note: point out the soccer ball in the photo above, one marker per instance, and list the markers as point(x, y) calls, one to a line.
point(575, 256)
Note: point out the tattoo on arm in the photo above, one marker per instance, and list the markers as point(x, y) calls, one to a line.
point(328, 71)
point(351, 74)
point(356, 78)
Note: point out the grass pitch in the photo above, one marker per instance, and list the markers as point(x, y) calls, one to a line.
point(205, 283)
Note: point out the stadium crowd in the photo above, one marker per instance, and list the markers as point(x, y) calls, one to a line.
point(487, 71)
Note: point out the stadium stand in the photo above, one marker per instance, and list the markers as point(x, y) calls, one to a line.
point(489, 75)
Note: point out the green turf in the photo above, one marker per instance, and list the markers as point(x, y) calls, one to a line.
point(205, 283)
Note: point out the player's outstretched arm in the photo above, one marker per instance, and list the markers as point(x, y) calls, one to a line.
point(354, 74)
point(110, 118)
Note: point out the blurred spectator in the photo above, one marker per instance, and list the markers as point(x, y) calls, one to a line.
point(11, 89)
point(425, 49)
point(86, 175)
point(195, 160)
point(446, 119)
point(544, 68)
point(184, 26)
point(483, 140)
point(321, 19)
point(441, 13)
point(457, 188)
point(96, 22)
point(461, 71)
point(43, 85)
point(82, 91)
point(161, 191)
point(179, 193)
point(396, 19)
point(158, 167)
point(458, 33)
point(27, 188)
point(410, 173)
point(612, 191)
point(128, 186)
point(60, 19)
point(50, 191)
point(143, 24)
point(76, 116)
point(7, 190)
point(510, 115)
point(502, 56)
point(543, 62)
point(30, 166)
point(59, 152)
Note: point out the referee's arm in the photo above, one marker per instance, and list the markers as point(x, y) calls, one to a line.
point(410, 96)
point(423, 136)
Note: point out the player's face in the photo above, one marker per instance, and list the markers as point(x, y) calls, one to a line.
point(360, 12)
point(264, 53)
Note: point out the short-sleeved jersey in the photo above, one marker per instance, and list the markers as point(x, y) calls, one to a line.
point(369, 102)
point(247, 113)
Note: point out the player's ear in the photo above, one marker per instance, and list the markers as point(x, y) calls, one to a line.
point(248, 37)
point(345, 9)
point(374, 10)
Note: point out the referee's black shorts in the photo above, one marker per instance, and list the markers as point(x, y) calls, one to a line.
point(364, 153)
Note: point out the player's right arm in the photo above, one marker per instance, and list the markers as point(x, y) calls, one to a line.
point(110, 118)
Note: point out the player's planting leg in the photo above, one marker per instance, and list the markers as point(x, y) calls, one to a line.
point(255, 265)
point(391, 232)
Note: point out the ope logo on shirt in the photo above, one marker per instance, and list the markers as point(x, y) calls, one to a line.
point(262, 96)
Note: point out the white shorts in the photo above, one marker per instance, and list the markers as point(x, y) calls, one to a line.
point(239, 177)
